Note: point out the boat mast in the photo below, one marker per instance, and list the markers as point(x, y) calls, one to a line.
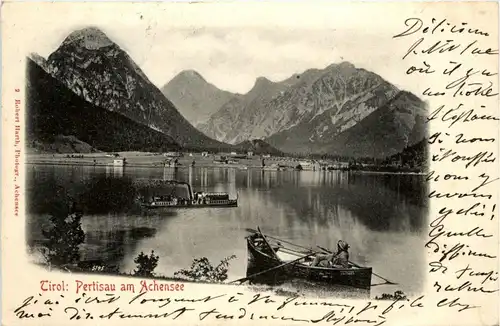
point(190, 190)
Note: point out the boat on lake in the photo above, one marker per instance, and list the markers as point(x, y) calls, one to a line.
point(178, 194)
point(269, 253)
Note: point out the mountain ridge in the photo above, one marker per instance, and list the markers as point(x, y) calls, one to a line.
point(310, 112)
point(339, 109)
point(194, 96)
point(89, 37)
point(98, 70)
point(301, 96)
point(55, 114)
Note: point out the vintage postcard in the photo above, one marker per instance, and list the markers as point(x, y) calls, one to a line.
point(250, 163)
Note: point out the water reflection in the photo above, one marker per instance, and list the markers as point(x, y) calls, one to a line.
point(380, 216)
point(115, 171)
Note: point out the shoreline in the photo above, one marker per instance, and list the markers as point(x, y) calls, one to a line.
point(122, 160)
point(212, 165)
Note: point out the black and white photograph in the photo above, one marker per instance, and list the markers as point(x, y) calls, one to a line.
point(287, 159)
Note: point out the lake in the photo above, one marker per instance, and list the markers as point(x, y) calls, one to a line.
point(382, 217)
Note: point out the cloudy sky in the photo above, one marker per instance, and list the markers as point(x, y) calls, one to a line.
point(232, 45)
point(233, 58)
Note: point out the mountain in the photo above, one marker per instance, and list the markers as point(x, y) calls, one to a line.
point(58, 120)
point(194, 97)
point(258, 147)
point(40, 61)
point(340, 110)
point(61, 144)
point(339, 89)
point(98, 70)
point(236, 120)
point(396, 124)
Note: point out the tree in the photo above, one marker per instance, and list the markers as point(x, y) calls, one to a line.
point(202, 270)
point(65, 234)
point(146, 264)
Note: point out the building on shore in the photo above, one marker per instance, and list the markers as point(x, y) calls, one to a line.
point(119, 162)
point(173, 154)
point(306, 165)
point(338, 165)
point(310, 165)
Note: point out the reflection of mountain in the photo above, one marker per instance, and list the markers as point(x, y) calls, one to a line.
point(108, 237)
point(110, 247)
point(107, 244)
point(376, 214)
point(412, 189)
point(311, 195)
point(369, 198)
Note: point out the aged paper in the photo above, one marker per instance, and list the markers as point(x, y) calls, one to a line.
point(250, 163)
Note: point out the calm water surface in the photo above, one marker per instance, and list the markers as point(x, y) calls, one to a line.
point(382, 217)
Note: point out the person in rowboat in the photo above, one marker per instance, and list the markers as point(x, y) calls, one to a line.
point(334, 260)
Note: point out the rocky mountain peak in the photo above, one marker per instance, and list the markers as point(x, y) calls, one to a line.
point(261, 83)
point(91, 38)
point(346, 65)
point(194, 96)
point(190, 75)
point(38, 59)
point(97, 69)
point(344, 68)
point(262, 80)
point(318, 109)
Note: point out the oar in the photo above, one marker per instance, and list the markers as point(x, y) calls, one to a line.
point(241, 280)
point(324, 249)
point(386, 280)
point(356, 265)
point(284, 241)
point(291, 251)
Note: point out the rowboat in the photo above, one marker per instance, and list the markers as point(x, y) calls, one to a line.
point(265, 254)
point(178, 194)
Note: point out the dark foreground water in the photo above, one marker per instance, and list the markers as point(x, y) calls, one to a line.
point(382, 217)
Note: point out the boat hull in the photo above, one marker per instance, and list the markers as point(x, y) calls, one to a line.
point(259, 261)
point(222, 203)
